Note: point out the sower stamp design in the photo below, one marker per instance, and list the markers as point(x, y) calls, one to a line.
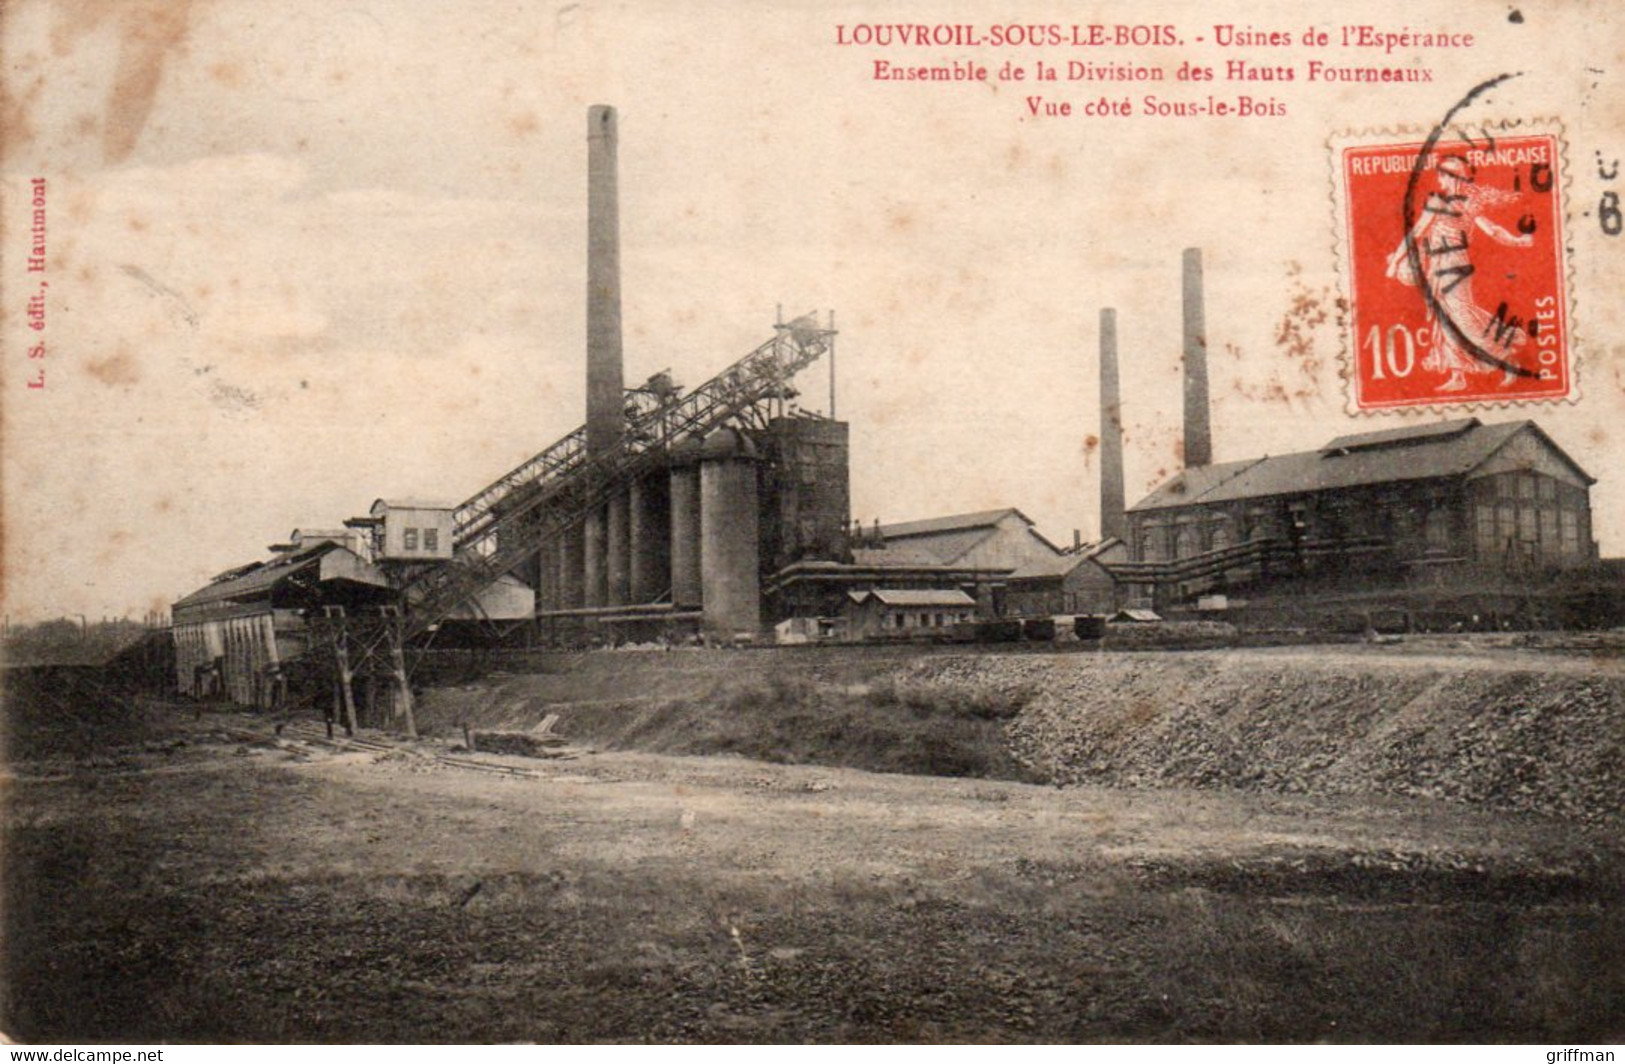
point(1452, 247)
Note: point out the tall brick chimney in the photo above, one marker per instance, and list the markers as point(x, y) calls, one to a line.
point(606, 414)
point(1198, 432)
point(1113, 520)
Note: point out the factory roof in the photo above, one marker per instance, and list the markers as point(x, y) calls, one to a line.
point(898, 554)
point(951, 523)
point(300, 538)
point(1405, 434)
point(250, 581)
point(1061, 564)
point(910, 597)
point(259, 580)
point(1447, 449)
point(1189, 485)
point(412, 504)
point(311, 535)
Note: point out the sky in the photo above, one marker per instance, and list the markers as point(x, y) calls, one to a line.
point(304, 255)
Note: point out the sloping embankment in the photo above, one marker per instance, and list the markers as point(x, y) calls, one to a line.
point(1539, 739)
point(842, 707)
point(1541, 733)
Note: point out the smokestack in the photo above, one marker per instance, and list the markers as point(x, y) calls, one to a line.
point(1198, 433)
point(605, 389)
point(1113, 521)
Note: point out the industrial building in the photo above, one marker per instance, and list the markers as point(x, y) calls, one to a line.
point(236, 634)
point(904, 612)
point(662, 517)
point(1080, 581)
point(990, 539)
point(1433, 495)
point(972, 554)
point(723, 513)
point(1418, 505)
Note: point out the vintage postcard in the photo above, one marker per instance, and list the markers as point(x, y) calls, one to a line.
point(774, 522)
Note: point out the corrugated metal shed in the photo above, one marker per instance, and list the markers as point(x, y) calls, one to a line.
point(1394, 455)
point(257, 581)
point(253, 581)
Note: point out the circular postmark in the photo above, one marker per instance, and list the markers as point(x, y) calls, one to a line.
point(1472, 189)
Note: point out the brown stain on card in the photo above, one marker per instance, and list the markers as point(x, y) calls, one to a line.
point(229, 75)
point(1301, 334)
point(118, 370)
point(150, 32)
point(117, 541)
point(15, 109)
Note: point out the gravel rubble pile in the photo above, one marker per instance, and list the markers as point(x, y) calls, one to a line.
point(1550, 742)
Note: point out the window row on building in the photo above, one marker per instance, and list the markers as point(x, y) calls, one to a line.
point(1524, 515)
point(897, 620)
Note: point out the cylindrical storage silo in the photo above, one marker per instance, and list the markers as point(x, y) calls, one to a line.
point(618, 550)
point(572, 568)
point(686, 586)
point(729, 537)
point(546, 565)
point(651, 538)
point(595, 575)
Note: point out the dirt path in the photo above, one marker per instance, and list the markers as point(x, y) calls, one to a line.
point(297, 894)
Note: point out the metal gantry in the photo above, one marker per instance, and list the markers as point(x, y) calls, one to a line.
point(511, 519)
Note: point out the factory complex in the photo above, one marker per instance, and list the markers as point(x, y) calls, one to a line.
point(722, 514)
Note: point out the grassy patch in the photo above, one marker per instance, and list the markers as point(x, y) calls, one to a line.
point(891, 727)
point(61, 711)
point(950, 701)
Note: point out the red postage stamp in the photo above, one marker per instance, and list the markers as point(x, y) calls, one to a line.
point(1453, 253)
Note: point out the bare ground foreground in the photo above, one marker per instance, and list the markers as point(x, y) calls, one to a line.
point(184, 877)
